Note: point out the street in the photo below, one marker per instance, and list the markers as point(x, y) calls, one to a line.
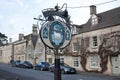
point(13, 73)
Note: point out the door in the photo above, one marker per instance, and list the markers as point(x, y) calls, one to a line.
point(115, 65)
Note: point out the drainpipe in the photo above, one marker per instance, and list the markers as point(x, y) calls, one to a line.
point(12, 56)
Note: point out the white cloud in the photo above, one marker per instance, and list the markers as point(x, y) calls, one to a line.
point(12, 21)
point(38, 1)
point(6, 3)
point(13, 36)
point(20, 13)
point(21, 4)
point(1, 17)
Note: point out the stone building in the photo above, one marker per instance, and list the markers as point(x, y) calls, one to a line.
point(20, 48)
point(6, 53)
point(96, 44)
point(24, 47)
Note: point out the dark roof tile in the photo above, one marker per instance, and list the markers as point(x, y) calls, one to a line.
point(106, 19)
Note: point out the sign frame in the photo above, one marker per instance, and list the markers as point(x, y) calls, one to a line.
point(62, 31)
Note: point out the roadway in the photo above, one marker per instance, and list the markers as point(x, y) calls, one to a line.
point(8, 72)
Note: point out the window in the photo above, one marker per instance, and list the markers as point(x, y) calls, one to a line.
point(23, 48)
point(50, 60)
point(40, 50)
point(40, 47)
point(95, 43)
point(74, 31)
point(94, 61)
point(75, 62)
point(74, 47)
point(61, 60)
point(94, 20)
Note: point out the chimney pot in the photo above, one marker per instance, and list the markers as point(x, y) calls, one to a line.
point(92, 9)
point(34, 29)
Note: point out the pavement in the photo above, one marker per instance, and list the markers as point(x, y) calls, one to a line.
point(98, 74)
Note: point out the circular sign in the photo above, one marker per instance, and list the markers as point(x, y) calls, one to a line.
point(55, 34)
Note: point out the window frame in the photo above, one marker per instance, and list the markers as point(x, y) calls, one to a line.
point(94, 61)
point(94, 20)
point(74, 47)
point(94, 41)
point(75, 61)
point(74, 30)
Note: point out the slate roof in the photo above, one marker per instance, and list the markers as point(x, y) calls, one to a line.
point(32, 37)
point(106, 19)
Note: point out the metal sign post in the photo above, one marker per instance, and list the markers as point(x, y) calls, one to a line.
point(56, 33)
point(57, 71)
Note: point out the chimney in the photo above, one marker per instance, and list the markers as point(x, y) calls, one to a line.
point(21, 36)
point(92, 9)
point(34, 30)
point(10, 40)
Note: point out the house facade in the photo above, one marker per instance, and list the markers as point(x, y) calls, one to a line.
point(20, 48)
point(39, 54)
point(6, 53)
point(96, 45)
point(24, 47)
point(31, 43)
point(0, 54)
point(43, 53)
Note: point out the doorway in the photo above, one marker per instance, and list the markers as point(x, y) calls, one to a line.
point(115, 65)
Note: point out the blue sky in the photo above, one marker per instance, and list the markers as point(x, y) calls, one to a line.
point(16, 16)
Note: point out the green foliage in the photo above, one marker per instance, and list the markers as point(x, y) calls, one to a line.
point(3, 38)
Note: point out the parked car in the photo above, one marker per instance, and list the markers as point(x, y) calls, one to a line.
point(15, 63)
point(42, 66)
point(64, 68)
point(25, 64)
point(11, 62)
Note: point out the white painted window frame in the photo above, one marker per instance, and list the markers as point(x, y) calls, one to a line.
point(76, 61)
point(92, 42)
point(94, 61)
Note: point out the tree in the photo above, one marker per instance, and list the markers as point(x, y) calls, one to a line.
point(3, 38)
point(109, 45)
